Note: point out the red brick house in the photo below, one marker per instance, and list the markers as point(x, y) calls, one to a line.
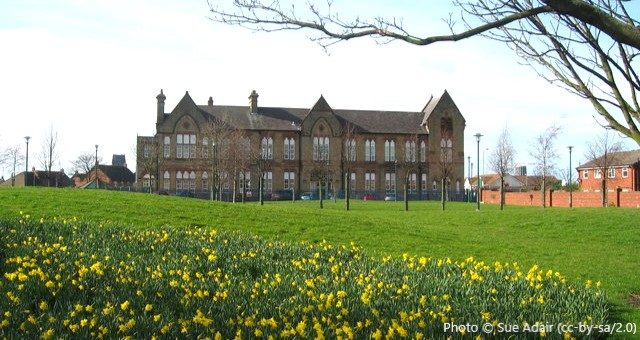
point(110, 176)
point(622, 172)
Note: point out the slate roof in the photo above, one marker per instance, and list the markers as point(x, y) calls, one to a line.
point(281, 118)
point(118, 173)
point(617, 159)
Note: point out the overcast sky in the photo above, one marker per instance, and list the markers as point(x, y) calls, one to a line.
point(91, 70)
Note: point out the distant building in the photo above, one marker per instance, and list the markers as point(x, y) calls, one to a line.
point(514, 183)
point(622, 171)
point(296, 144)
point(40, 178)
point(109, 176)
point(119, 160)
point(521, 170)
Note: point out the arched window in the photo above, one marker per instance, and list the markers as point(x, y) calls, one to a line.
point(267, 148)
point(192, 181)
point(167, 147)
point(205, 181)
point(370, 150)
point(320, 148)
point(205, 147)
point(423, 151)
point(179, 183)
point(166, 180)
point(350, 150)
point(410, 151)
point(389, 151)
point(289, 149)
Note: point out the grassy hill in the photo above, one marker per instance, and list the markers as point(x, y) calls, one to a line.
point(596, 244)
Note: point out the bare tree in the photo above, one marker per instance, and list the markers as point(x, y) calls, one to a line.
point(588, 47)
point(213, 134)
point(235, 157)
point(602, 153)
point(85, 162)
point(502, 160)
point(49, 153)
point(545, 153)
point(349, 155)
point(150, 159)
point(13, 155)
point(445, 161)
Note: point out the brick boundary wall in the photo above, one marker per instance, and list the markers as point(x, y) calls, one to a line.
point(581, 199)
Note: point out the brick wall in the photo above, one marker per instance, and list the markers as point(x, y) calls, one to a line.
point(629, 199)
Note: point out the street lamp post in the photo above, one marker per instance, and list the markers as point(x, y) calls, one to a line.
point(569, 184)
point(213, 169)
point(478, 136)
point(26, 168)
point(96, 170)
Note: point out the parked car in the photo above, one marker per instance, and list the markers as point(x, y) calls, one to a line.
point(306, 196)
point(368, 197)
point(282, 195)
point(390, 197)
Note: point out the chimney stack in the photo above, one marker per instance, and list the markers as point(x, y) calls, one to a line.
point(210, 102)
point(253, 102)
point(160, 99)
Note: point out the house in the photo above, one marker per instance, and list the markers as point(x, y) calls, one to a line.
point(301, 148)
point(109, 176)
point(622, 170)
point(38, 178)
point(514, 183)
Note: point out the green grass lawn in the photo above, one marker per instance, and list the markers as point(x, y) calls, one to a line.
point(587, 243)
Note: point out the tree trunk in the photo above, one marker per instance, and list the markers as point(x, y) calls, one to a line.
point(320, 191)
point(502, 193)
point(543, 188)
point(235, 186)
point(604, 190)
point(406, 193)
point(261, 190)
point(347, 193)
point(442, 192)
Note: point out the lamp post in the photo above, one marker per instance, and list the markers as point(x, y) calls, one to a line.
point(96, 170)
point(213, 169)
point(469, 175)
point(478, 136)
point(569, 184)
point(26, 167)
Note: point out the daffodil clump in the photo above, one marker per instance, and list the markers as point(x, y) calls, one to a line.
point(66, 278)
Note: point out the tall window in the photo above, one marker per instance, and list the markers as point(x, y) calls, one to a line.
point(446, 150)
point(370, 181)
point(413, 183)
point(410, 151)
point(267, 148)
point(423, 182)
point(289, 180)
point(389, 151)
point(245, 182)
point(370, 150)
point(611, 173)
point(457, 186)
point(289, 149)
point(390, 182)
point(192, 180)
point(185, 146)
point(167, 181)
point(435, 185)
point(423, 152)
point(585, 173)
point(205, 181)
point(268, 181)
point(205, 147)
point(167, 146)
point(320, 148)
point(350, 150)
point(352, 181)
point(146, 150)
point(179, 181)
point(625, 172)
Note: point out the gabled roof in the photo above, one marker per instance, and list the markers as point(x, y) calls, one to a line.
point(321, 106)
point(619, 158)
point(117, 173)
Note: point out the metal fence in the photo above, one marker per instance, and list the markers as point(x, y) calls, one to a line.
point(292, 195)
